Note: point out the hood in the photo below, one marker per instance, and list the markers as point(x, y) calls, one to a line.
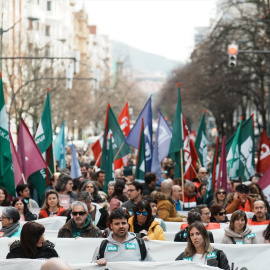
point(231, 233)
point(130, 237)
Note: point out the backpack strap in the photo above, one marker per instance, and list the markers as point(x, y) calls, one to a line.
point(233, 241)
point(102, 249)
point(143, 249)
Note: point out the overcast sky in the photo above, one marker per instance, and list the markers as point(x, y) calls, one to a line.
point(162, 27)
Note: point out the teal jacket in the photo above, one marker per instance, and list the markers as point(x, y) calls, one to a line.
point(17, 234)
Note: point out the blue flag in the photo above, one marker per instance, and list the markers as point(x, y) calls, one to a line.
point(162, 144)
point(60, 147)
point(134, 135)
point(75, 171)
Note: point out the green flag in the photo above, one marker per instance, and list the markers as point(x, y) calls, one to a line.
point(109, 171)
point(6, 165)
point(201, 142)
point(44, 139)
point(233, 156)
point(247, 153)
point(141, 164)
point(176, 143)
point(114, 132)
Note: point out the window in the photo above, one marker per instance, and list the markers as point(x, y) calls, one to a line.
point(49, 5)
point(30, 25)
point(47, 30)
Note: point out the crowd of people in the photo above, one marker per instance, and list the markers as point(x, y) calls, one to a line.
point(132, 213)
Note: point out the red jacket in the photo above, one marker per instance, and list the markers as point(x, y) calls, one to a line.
point(44, 214)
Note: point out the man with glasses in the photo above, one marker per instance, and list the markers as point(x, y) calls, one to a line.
point(80, 225)
point(135, 190)
point(121, 245)
point(202, 176)
point(241, 200)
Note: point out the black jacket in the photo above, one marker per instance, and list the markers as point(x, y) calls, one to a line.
point(47, 251)
point(29, 216)
point(182, 236)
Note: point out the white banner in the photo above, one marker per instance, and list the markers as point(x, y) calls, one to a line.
point(81, 251)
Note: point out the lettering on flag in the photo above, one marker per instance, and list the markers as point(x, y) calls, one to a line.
point(148, 155)
point(163, 135)
point(246, 157)
point(124, 123)
point(203, 149)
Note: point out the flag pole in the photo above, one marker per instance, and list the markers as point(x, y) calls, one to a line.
point(49, 170)
point(98, 159)
point(118, 151)
point(23, 178)
point(54, 166)
point(182, 173)
point(195, 172)
point(200, 164)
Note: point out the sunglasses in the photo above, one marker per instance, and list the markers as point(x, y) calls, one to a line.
point(243, 192)
point(143, 213)
point(76, 213)
point(221, 192)
point(222, 213)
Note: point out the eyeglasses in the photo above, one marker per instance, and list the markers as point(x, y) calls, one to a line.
point(207, 214)
point(2, 217)
point(131, 190)
point(203, 172)
point(143, 213)
point(222, 213)
point(80, 213)
point(243, 192)
point(221, 192)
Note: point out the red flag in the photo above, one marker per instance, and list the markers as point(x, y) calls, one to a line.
point(222, 176)
point(263, 154)
point(264, 183)
point(29, 155)
point(191, 155)
point(97, 149)
point(17, 169)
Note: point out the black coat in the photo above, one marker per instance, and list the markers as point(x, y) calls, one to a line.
point(47, 251)
point(29, 216)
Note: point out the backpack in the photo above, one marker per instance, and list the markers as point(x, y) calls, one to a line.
point(140, 241)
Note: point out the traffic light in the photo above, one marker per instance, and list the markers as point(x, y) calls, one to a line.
point(232, 53)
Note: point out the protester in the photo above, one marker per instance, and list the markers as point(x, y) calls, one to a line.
point(176, 197)
point(238, 231)
point(144, 224)
point(266, 234)
point(4, 199)
point(10, 222)
point(118, 197)
point(149, 186)
point(64, 188)
point(241, 200)
point(218, 214)
point(55, 264)
point(260, 214)
point(202, 190)
point(32, 244)
point(257, 193)
point(21, 206)
point(205, 214)
point(191, 218)
point(24, 192)
point(153, 204)
point(200, 250)
point(135, 191)
point(80, 225)
point(120, 244)
point(110, 188)
point(220, 197)
point(100, 177)
point(166, 187)
point(166, 208)
point(91, 187)
point(53, 182)
point(190, 200)
point(51, 207)
point(201, 177)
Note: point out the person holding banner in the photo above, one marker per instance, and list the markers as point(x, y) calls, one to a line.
point(238, 231)
point(200, 250)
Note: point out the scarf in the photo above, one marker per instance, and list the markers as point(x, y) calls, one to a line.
point(8, 231)
point(78, 232)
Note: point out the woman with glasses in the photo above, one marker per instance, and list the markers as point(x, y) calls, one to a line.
point(32, 244)
point(10, 222)
point(144, 224)
point(92, 188)
point(220, 197)
point(238, 231)
point(218, 214)
point(51, 207)
point(200, 250)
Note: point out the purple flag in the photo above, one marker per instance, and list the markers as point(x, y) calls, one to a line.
point(222, 176)
point(75, 170)
point(264, 183)
point(134, 135)
point(17, 169)
point(29, 155)
point(162, 144)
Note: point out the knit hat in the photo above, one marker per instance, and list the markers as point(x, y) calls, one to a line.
point(11, 212)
